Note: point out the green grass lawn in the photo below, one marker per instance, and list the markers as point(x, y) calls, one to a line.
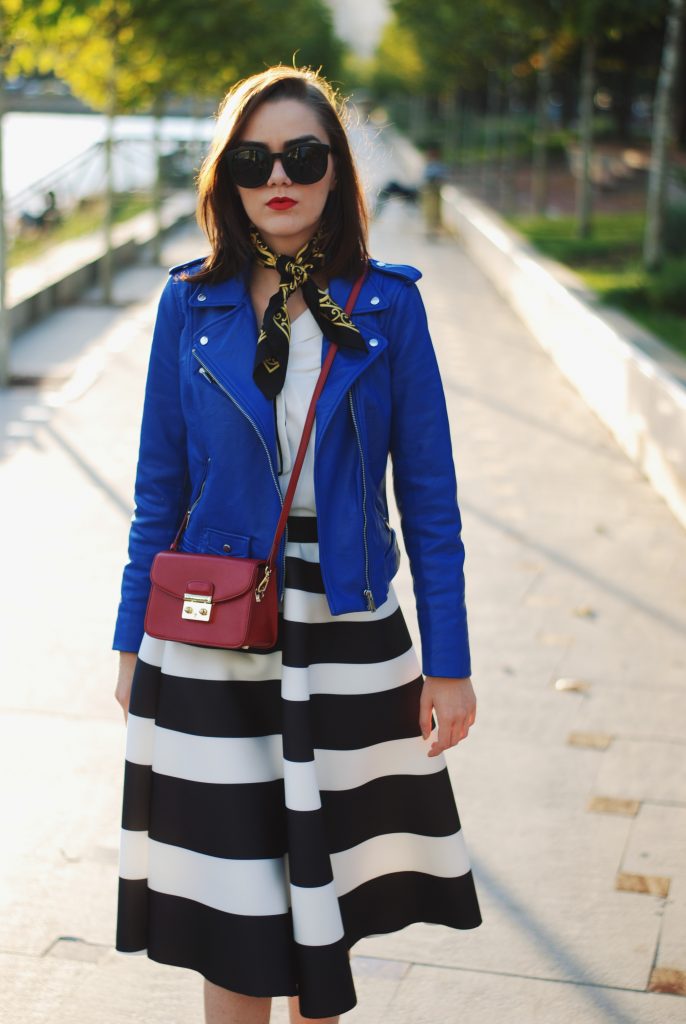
point(82, 221)
point(610, 263)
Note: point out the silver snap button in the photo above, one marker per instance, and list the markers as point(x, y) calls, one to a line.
point(204, 339)
point(201, 297)
point(375, 301)
point(227, 547)
point(373, 342)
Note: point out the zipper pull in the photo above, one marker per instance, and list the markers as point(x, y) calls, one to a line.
point(370, 601)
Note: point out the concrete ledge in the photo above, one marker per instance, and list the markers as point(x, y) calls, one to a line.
point(61, 275)
point(634, 382)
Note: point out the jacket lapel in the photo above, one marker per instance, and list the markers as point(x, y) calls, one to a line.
point(229, 352)
point(350, 363)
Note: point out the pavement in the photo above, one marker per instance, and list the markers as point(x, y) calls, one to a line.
point(571, 784)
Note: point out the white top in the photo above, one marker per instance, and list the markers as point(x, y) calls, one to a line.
point(292, 403)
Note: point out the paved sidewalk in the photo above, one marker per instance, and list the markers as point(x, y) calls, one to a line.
point(570, 798)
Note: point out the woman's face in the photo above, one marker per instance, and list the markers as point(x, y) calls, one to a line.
point(275, 124)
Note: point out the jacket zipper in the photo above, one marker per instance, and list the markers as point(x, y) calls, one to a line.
point(202, 488)
point(278, 442)
point(213, 380)
point(368, 590)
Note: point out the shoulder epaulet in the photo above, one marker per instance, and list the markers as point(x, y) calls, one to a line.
point(405, 270)
point(187, 264)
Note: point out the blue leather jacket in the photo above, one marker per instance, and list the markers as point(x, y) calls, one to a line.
point(208, 443)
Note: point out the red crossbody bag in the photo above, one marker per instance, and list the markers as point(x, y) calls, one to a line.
point(222, 600)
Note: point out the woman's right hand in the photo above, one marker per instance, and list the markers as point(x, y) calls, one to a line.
point(127, 663)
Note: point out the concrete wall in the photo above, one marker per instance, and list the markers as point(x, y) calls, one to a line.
point(62, 274)
point(635, 383)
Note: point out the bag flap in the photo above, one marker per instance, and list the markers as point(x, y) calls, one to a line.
point(171, 571)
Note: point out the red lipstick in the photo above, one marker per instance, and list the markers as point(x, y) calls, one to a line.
point(281, 203)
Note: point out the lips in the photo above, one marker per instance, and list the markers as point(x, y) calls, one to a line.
point(281, 203)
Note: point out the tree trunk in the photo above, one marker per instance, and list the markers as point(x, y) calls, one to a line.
point(680, 96)
point(680, 113)
point(653, 241)
point(108, 217)
point(418, 115)
point(506, 175)
point(490, 149)
point(623, 101)
point(539, 180)
point(447, 122)
point(158, 114)
point(461, 105)
point(469, 139)
point(4, 315)
point(584, 188)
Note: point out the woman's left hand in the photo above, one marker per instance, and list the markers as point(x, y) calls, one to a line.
point(455, 704)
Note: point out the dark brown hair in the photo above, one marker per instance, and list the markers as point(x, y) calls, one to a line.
point(220, 212)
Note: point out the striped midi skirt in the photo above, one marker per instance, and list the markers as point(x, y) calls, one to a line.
point(278, 806)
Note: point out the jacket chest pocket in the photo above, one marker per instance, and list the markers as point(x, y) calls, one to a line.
point(223, 542)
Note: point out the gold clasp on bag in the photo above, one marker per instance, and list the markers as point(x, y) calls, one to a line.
point(197, 606)
point(262, 585)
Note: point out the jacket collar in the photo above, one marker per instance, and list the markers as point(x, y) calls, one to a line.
point(231, 292)
point(234, 291)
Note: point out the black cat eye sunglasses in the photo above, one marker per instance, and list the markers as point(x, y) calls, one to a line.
point(304, 163)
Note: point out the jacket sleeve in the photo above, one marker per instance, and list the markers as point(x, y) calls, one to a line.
point(425, 488)
point(161, 485)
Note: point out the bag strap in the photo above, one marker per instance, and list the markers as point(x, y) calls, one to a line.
point(309, 422)
point(307, 430)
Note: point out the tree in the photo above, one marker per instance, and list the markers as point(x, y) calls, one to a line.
point(128, 56)
point(399, 64)
point(591, 22)
point(9, 14)
point(478, 47)
point(653, 242)
point(461, 46)
point(97, 46)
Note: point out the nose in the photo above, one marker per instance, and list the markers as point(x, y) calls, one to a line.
point(278, 175)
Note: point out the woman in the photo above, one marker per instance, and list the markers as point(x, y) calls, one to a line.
point(280, 805)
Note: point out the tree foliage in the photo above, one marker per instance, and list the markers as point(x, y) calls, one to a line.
point(141, 50)
point(458, 44)
point(399, 64)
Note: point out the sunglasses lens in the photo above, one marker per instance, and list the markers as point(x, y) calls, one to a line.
point(304, 164)
point(307, 162)
point(249, 168)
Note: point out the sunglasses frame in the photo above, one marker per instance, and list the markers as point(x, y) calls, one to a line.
point(271, 159)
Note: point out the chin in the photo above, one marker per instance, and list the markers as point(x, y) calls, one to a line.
point(280, 227)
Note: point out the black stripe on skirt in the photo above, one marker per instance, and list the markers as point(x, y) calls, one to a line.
point(278, 806)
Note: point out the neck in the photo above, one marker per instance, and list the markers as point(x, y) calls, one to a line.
point(290, 245)
point(286, 246)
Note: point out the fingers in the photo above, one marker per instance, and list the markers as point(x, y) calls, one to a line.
point(454, 703)
point(122, 701)
point(450, 732)
point(425, 712)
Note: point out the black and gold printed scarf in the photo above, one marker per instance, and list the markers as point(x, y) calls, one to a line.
point(273, 342)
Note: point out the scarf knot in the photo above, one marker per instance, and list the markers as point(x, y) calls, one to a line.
point(273, 342)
